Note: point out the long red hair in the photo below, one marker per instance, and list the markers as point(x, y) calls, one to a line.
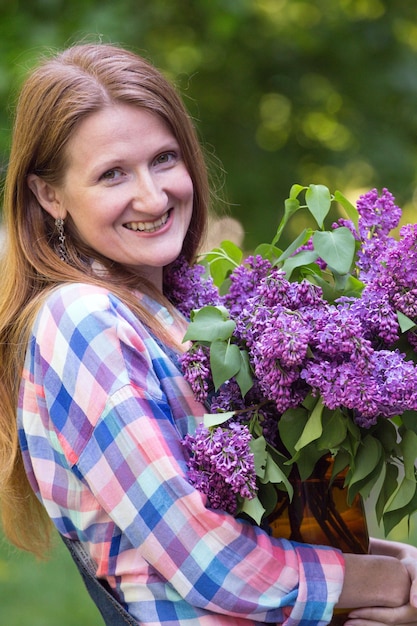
point(55, 98)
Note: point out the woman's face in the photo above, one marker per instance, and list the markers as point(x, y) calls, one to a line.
point(127, 189)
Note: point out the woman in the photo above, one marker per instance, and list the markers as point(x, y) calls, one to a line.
point(106, 188)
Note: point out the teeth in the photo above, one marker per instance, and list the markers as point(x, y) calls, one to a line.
point(148, 227)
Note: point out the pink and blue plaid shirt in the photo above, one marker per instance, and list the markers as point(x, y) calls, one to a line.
point(102, 413)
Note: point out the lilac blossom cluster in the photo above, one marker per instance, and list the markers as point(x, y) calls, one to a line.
point(196, 365)
point(388, 268)
point(378, 216)
point(300, 344)
point(188, 287)
point(221, 464)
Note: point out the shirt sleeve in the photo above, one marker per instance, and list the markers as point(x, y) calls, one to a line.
point(105, 394)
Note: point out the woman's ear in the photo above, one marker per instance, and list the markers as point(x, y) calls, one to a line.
point(47, 196)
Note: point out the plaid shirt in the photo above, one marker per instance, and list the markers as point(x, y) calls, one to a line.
point(102, 412)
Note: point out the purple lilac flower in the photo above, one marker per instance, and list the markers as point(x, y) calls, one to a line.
point(397, 382)
point(342, 222)
point(188, 288)
point(286, 341)
point(228, 398)
point(378, 216)
point(412, 339)
point(351, 374)
point(255, 322)
point(344, 385)
point(406, 303)
point(277, 352)
point(195, 364)
point(339, 369)
point(221, 464)
point(275, 324)
point(400, 267)
point(273, 290)
point(305, 296)
point(244, 281)
point(395, 283)
point(338, 335)
point(377, 317)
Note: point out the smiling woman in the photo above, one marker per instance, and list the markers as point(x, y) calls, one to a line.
point(106, 188)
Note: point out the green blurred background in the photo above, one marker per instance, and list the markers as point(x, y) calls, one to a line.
point(282, 92)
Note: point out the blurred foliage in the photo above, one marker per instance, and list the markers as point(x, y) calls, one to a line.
point(47, 593)
point(283, 91)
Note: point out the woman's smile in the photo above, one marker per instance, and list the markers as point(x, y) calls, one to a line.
point(149, 227)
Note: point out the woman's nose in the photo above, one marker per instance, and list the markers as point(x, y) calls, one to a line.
point(149, 194)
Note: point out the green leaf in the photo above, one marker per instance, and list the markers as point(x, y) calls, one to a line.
point(408, 446)
point(351, 210)
point(402, 495)
point(210, 323)
point(305, 257)
point(268, 251)
point(223, 260)
point(258, 449)
point(386, 433)
point(224, 286)
point(405, 492)
point(405, 322)
point(299, 241)
point(366, 460)
point(336, 248)
point(389, 485)
point(220, 269)
point(340, 281)
point(354, 430)
point(295, 190)
point(318, 200)
point(366, 484)
point(334, 429)
point(309, 402)
point(253, 508)
point(409, 419)
point(291, 206)
point(233, 252)
point(340, 461)
point(392, 518)
point(228, 251)
point(306, 460)
point(244, 375)
point(225, 361)
point(276, 475)
point(290, 426)
point(268, 497)
point(215, 419)
point(353, 286)
point(314, 427)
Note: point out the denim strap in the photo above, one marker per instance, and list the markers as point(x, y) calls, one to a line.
point(113, 613)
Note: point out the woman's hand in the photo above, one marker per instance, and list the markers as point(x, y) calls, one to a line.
point(397, 616)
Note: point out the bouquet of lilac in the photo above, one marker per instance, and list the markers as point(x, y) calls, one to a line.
point(303, 353)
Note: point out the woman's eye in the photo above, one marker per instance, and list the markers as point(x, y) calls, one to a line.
point(165, 157)
point(111, 175)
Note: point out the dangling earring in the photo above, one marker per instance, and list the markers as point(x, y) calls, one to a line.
point(62, 250)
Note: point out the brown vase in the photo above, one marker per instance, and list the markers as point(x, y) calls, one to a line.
point(319, 514)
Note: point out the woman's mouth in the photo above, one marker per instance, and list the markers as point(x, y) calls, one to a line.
point(148, 227)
